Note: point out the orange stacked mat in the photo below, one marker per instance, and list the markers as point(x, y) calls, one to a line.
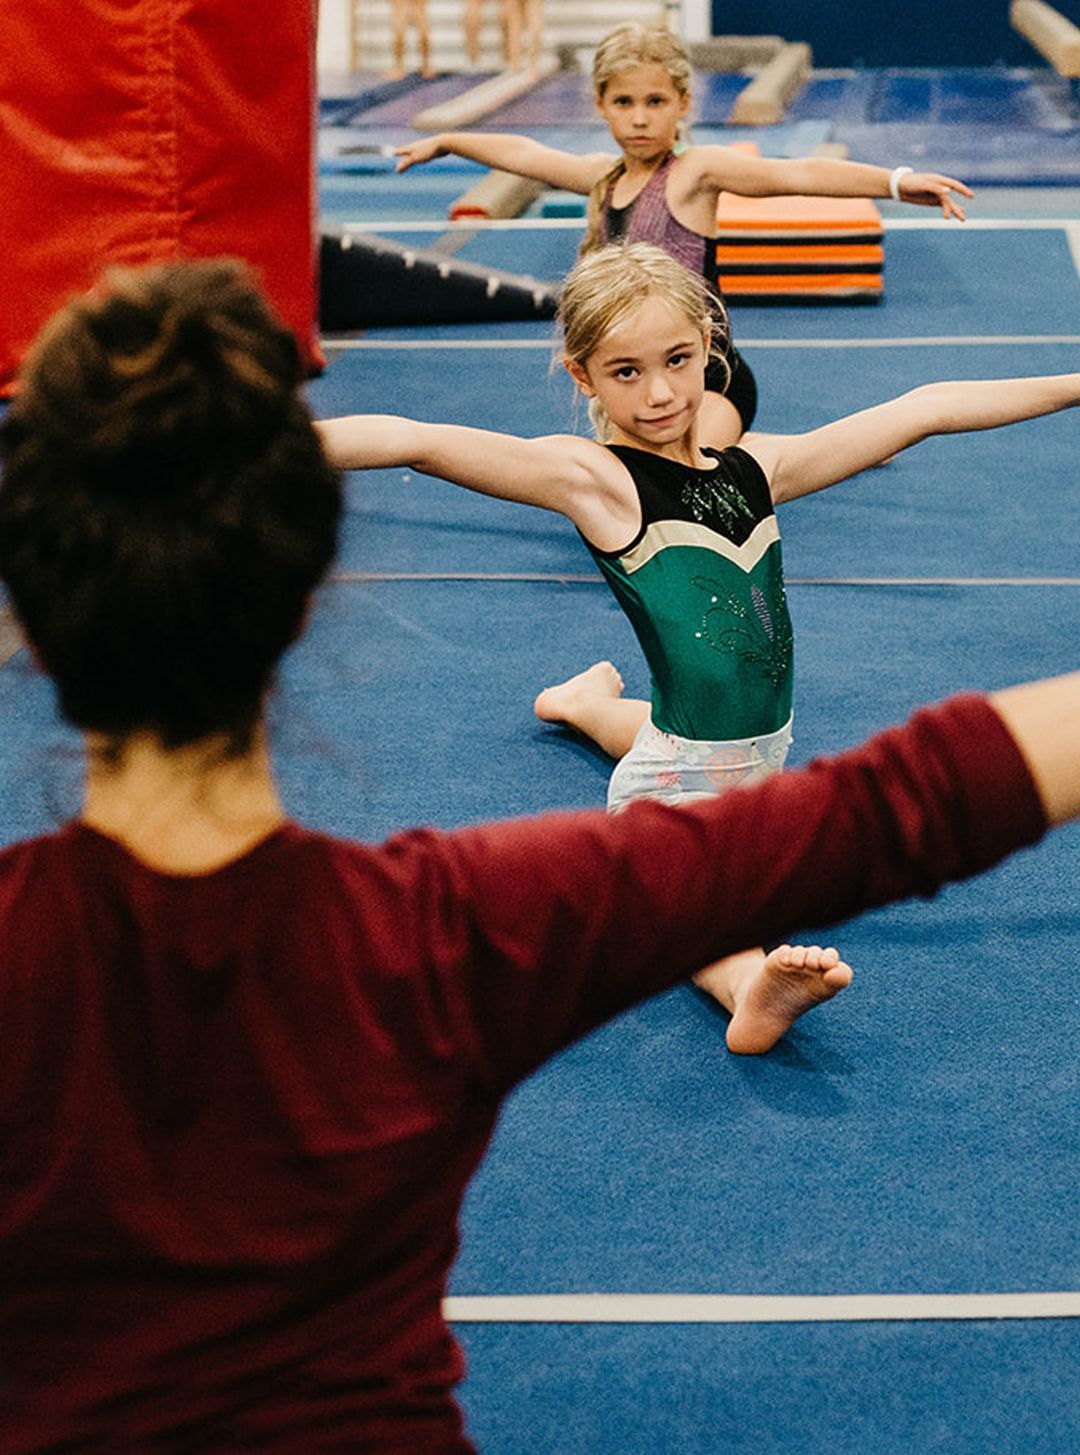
point(795, 249)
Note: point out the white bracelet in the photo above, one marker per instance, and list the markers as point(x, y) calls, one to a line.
point(894, 181)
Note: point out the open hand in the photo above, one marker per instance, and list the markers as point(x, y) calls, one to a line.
point(930, 189)
point(414, 152)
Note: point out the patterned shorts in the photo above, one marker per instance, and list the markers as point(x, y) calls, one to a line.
point(676, 770)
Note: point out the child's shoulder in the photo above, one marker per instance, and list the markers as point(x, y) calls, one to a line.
point(741, 464)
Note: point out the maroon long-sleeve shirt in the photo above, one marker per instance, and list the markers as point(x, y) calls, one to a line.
point(238, 1111)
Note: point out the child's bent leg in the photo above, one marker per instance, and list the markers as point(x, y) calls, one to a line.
point(766, 994)
point(592, 702)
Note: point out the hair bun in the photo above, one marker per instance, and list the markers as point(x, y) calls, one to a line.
point(186, 354)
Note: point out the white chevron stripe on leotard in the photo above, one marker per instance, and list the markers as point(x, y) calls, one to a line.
point(664, 533)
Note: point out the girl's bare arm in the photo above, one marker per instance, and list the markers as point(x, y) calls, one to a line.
point(507, 152)
point(572, 476)
point(720, 169)
point(800, 464)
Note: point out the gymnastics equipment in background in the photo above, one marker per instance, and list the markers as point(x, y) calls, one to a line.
point(789, 249)
point(1050, 32)
point(781, 69)
point(372, 282)
point(800, 249)
point(151, 131)
point(498, 194)
point(481, 100)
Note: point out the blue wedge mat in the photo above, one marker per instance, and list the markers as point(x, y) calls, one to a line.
point(348, 97)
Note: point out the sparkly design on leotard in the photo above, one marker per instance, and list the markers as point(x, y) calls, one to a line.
point(715, 496)
point(749, 629)
point(702, 585)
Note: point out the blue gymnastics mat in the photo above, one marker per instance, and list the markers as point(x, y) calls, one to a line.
point(1013, 98)
point(869, 1389)
point(981, 155)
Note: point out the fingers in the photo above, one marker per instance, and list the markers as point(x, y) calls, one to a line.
point(949, 205)
point(953, 185)
point(931, 189)
point(411, 154)
point(934, 182)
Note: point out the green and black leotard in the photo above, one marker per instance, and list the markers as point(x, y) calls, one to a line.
point(702, 583)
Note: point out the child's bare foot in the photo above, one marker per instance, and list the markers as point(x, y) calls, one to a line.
point(561, 703)
point(767, 994)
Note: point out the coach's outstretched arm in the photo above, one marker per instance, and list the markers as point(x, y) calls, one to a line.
point(1044, 719)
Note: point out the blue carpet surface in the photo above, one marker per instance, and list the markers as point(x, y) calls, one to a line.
point(802, 1390)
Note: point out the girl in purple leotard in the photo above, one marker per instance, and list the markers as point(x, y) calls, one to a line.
point(662, 192)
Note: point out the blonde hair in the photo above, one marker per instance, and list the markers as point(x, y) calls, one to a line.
point(640, 45)
point(630, 45)
point(605, 287)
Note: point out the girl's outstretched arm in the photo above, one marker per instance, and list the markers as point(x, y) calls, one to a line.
point(572, 476)
point(720, 169)
point(800, 464)
point(507, 152)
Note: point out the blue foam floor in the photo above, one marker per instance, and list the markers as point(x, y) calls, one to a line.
point(919, 1134)
point(875, 1389)
point(1002, 97)
point(1012, 98)
point(982, 155)
point(369, 198)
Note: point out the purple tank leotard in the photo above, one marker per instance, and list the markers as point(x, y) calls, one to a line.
point(648, 218)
